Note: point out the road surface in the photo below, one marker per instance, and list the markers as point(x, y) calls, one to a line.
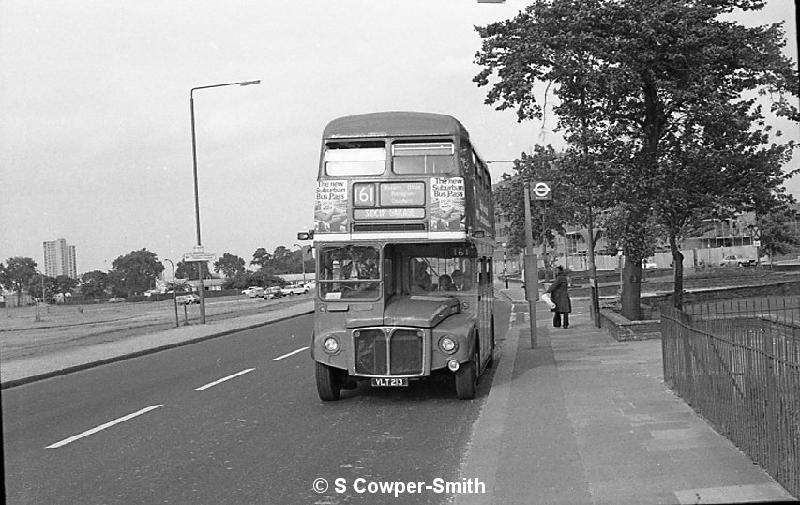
point(230, 420)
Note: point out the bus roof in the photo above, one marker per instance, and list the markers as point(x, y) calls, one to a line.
point(394, 124)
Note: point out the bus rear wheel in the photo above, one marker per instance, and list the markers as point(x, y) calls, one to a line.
point(467, 379)
point(328, 383)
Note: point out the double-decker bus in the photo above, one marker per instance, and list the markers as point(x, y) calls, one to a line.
point(404, 236)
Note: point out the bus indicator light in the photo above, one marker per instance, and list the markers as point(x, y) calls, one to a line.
point(453, 365)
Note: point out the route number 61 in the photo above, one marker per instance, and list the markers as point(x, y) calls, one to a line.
point(364, 195)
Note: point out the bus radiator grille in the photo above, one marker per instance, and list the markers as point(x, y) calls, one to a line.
point(370, 346)
point(402, 352)
point(405, 353)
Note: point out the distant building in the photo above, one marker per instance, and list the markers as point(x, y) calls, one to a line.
point(59, 259)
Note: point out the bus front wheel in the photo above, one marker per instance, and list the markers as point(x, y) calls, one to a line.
point(328, 384)
point(467, 379)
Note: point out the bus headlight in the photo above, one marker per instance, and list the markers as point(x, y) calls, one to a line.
point(331, 345)
point(448, 345)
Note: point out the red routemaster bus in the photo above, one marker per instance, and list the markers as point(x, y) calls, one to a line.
point(404, 235)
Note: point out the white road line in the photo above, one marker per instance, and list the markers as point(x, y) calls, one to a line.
point(102, 427)
point(229, 377)
point(290, 353)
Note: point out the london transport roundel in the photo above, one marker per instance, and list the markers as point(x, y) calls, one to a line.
point(541, 189)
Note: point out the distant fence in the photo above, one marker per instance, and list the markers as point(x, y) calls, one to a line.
point(738, 364)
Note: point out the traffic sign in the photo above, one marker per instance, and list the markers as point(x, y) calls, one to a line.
point(541, 190)
point(198, 256)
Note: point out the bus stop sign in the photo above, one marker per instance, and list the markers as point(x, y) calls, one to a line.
point(541, 190)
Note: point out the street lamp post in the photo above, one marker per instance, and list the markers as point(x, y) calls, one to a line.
point(194, 173)
point(174, 295)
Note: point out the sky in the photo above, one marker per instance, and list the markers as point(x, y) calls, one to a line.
point(95, 137)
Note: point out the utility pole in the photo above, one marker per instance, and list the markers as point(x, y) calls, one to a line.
point(531, 272)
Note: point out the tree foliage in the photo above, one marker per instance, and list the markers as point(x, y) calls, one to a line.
point(283, 260)
point(777, 237)
point(261, 258)
point(42, 287)
point(94, 284)
point(190, 270)
point(229, 264)
point(653, 95)
point(64, 284)
point(17, 273)
point(136, 271)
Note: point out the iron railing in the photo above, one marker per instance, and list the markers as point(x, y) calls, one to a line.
point(737, 363)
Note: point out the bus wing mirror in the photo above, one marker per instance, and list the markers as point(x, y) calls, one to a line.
point(305, 235)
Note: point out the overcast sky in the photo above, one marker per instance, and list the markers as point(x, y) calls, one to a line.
point(95, 142)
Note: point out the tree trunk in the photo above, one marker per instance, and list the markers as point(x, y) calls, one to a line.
point(632, 288)
point(677, 269)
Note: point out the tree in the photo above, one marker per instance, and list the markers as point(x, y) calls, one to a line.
point(94, 284)
point(37, 283)
point(547, 217)
point(116, 283)
point(646, 86)
point(265, 279)
point(139, 270)
point(261, 257)
point(229, 264)
point(777, 237)
point(189, 270)
point(17, 273)
point(64, 284)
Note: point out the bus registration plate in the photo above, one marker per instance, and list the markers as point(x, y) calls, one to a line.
point(389, 381)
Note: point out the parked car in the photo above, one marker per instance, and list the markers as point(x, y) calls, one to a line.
point(116, 299)
point(254, 292)
point(311, 285)
point(188, 299)
point(272, 292)
point(649, 264)
point(739, 261)
point(294, 289)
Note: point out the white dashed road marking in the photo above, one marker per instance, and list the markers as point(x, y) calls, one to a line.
point(290, 353)
point(102, 427)
point(218, 381)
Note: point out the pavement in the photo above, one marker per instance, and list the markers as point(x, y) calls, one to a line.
point(584, 419)
point(579, 419)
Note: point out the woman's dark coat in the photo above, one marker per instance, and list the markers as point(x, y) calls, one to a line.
point(558, 293)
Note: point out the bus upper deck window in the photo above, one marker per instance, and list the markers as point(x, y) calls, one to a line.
point(423, 158)
point(354, 161)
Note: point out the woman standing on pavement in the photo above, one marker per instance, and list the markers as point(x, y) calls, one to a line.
point(559, 296)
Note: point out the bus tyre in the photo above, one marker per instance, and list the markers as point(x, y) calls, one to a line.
point(467, 379)
point(328, 386)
